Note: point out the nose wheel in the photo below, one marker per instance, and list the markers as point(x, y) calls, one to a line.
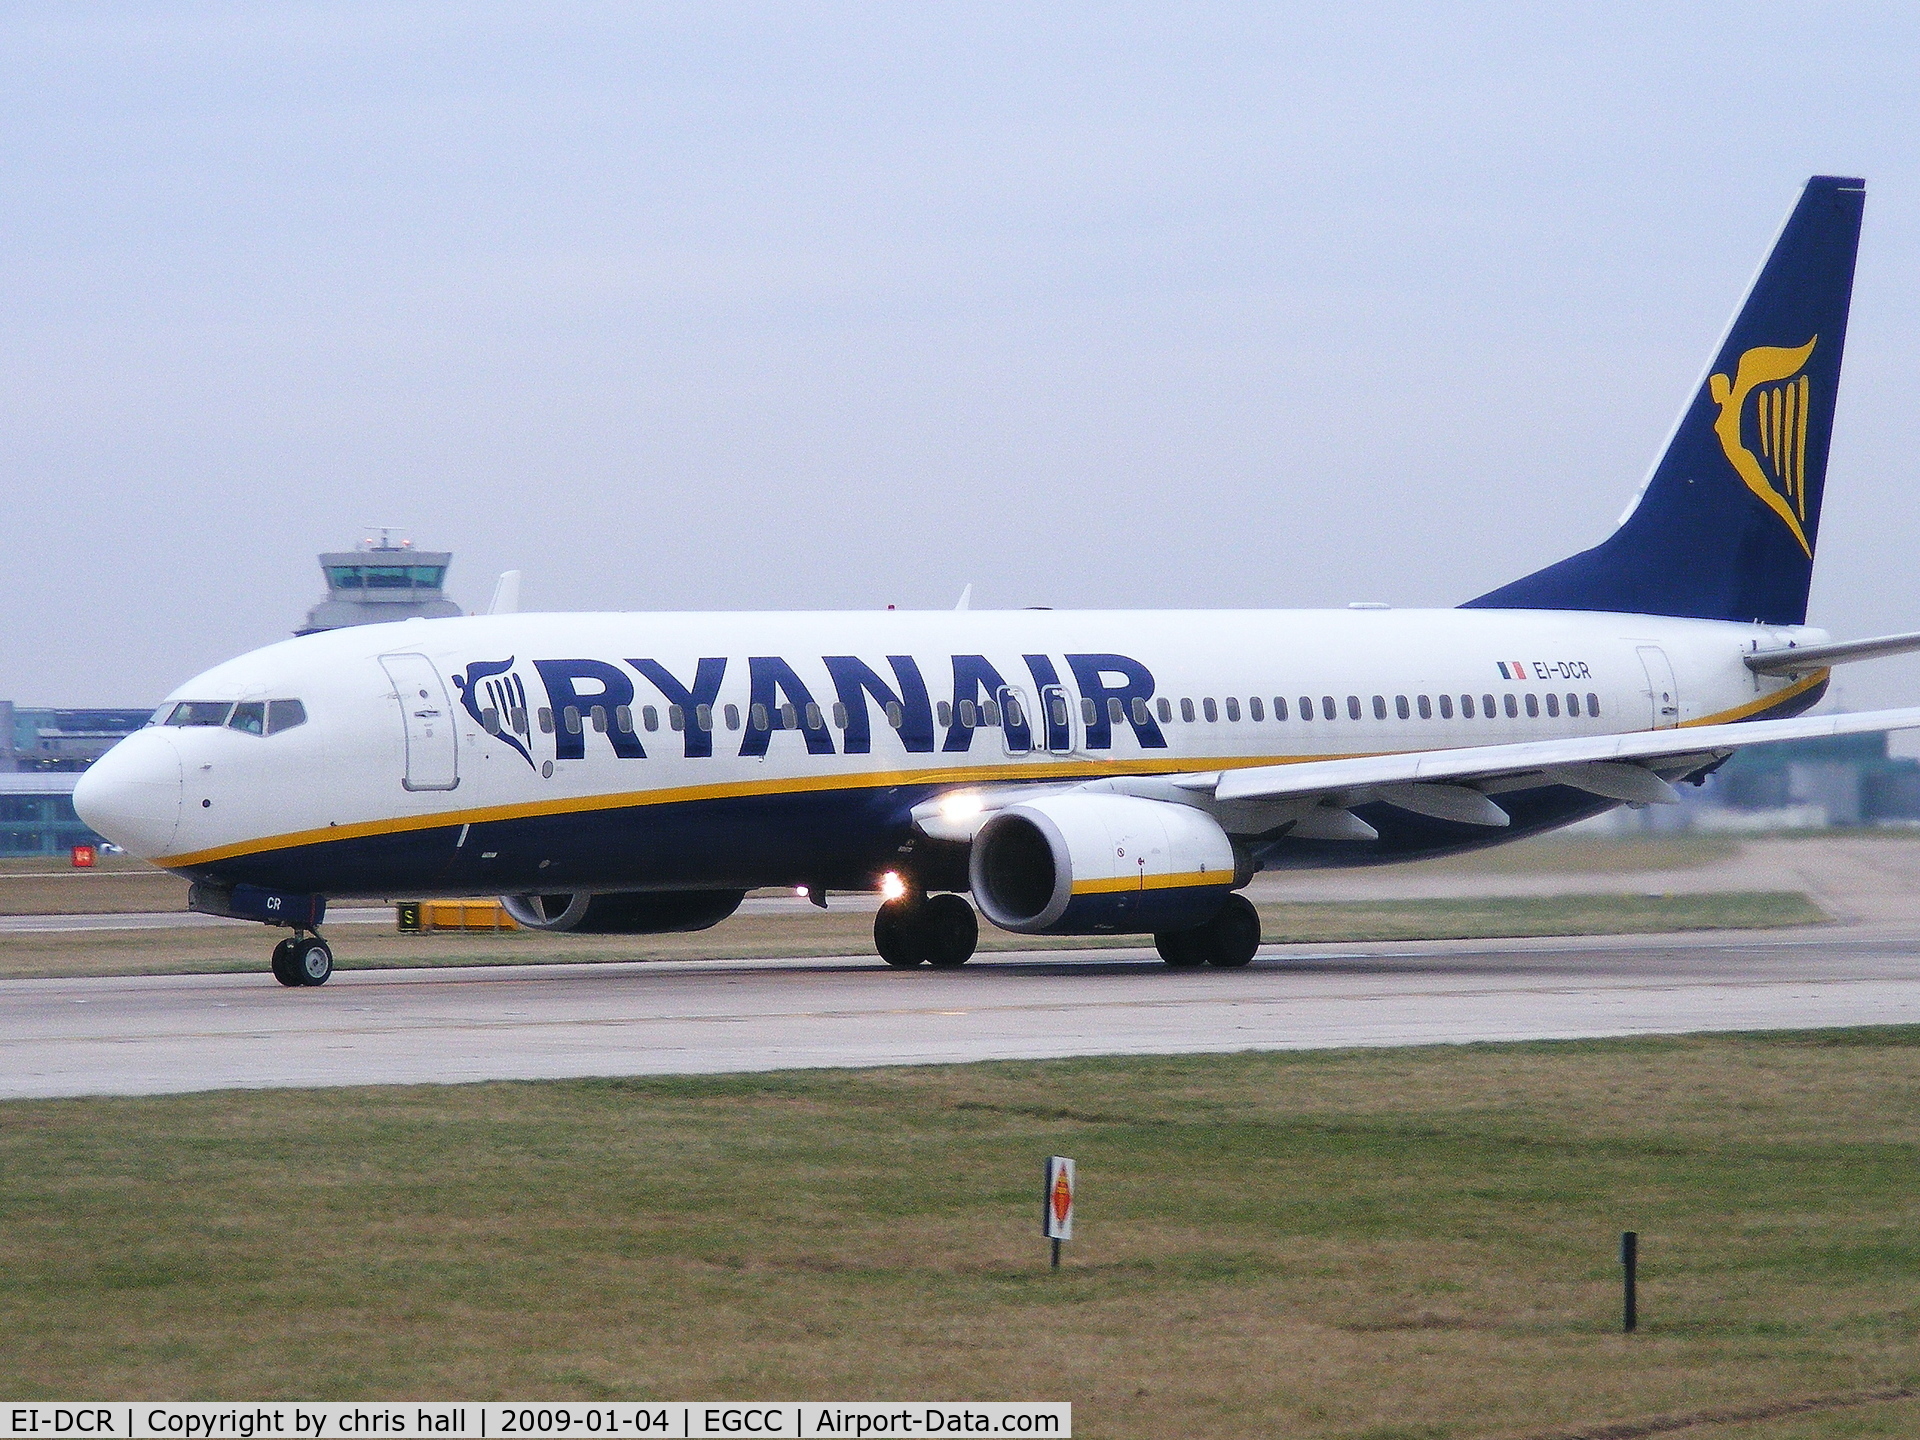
point(302, 960)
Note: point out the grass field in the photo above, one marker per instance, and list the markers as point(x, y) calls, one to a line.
point(1399, 1245)
point(216, 949)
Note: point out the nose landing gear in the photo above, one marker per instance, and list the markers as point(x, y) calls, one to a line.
point(302, 960)
point(915, 930)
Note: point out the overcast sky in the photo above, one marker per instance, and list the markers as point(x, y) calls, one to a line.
point(788, 306)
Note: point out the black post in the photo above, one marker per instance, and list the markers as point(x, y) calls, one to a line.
point(1056, 1254)
point(1629, 1267)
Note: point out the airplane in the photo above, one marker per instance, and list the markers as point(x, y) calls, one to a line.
point(1092, 772)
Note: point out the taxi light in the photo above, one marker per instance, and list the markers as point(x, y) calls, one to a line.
point(892, 887)
point(961, 807)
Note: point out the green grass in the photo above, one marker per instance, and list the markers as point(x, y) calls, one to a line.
point(1347, 1244)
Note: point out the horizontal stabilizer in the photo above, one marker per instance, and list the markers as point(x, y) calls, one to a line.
point(1801, 659)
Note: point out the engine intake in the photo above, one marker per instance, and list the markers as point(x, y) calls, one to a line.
point(627, 913)
point(1083, 864)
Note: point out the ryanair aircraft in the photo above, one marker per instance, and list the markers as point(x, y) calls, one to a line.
point(1107, 771)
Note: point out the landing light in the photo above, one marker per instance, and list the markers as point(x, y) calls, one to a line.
point(961, 807)
point(892, 887)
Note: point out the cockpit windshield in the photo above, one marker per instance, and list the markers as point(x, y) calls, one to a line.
point(200, 712)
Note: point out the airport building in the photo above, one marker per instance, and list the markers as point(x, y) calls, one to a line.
point(381, 581)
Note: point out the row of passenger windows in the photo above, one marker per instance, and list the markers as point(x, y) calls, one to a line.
point(991, 713)
point(1490, 706)
point(252, 717)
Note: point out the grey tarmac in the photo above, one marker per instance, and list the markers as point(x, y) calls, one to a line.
point(159, 1034)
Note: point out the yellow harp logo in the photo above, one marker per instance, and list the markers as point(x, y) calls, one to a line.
point(1770, 375)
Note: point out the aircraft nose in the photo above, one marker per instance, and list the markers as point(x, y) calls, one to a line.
point(131, 794)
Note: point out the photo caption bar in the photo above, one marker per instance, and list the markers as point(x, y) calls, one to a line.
point(539, 1419)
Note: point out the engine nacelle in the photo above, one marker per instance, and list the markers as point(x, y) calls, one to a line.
point(1081, 864)
point(626, 913)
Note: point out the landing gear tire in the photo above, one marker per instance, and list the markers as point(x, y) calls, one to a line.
point(1232, 937)
point(312, 960)
point(1227, 941)
point(912, 931)
point(951, 931)
point(896, 929)
point(283, 966)
point(1176, 947)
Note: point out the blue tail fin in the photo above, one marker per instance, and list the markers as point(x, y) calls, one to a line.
point(1724, 528)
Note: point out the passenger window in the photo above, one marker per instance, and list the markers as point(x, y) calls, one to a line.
point(1353, 707)
point(943, 712)
point(1256, 711)
point(489, 721)
point(1401, 708)
point(1166, 711)
point(1233, 708)
point(896, 717)
point(676, 718)
point(650, 717)
point(839, 715)
point(1446, 707)
point(546, 720)
point(789, 717)
point(570, 717)
point(1466, 707)
point(1186, 711)
point(1553, 706)
point(623, 717)
point(1015, 716)
point(733, 717)
point(703, 717)
point(966, 714)
point(200, 712)
point(989, 713)
point(284, 715)
point(1211, 710)
point(1533, 706)
point(757, 717)
point(599, 715)
point(1513, 710)
point(1573, 704)
point(1306, 707)
point(1141, 715)
point(1379, 707)
point(1058, 705)
point(1279, 707)
point(1487, 707)
point(1593, 703)
point(1327, 710)
point(1089, 712)
point(1426, 708)
point(813, 716)
point(250, 717)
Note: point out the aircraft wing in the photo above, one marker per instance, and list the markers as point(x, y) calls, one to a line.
point(1623, 767)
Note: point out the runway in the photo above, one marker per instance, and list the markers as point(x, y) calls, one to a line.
point(157, 1034)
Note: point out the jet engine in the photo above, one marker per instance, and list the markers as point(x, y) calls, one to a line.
point(1080, 864)
point(626, 913)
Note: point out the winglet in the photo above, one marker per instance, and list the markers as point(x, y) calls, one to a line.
point(506, 594)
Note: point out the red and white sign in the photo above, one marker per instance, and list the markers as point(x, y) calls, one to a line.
point(1056, 1212)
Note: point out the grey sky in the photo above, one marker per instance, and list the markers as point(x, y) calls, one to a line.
point(829, 305)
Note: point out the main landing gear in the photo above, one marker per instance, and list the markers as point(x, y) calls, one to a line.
point(937, 930)
point(1228, 940)
point(302, 960)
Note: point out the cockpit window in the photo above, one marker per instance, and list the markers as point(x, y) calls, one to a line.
point(200, 712)
point(249, 716)
point(284, 715)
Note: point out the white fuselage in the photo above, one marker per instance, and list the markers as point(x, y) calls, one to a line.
point(393, 769)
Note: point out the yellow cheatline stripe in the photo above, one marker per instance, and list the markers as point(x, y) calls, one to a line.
point(1186, 879)
point(812, 784)
point(1763, 704)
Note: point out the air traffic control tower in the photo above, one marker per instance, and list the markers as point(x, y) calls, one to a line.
point(382, 580)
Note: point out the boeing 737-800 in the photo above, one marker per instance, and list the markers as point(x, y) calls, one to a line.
point(1075, 772)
